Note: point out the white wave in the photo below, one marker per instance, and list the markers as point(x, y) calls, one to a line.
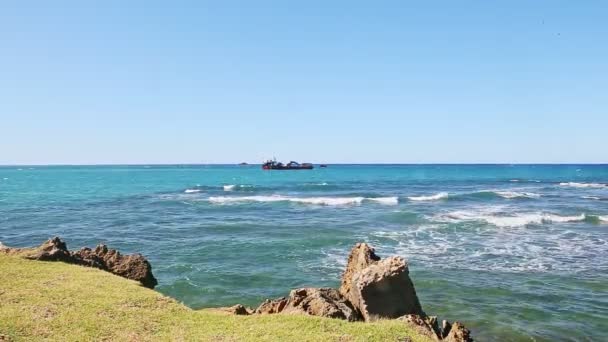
point(192, 191)
point(514, 220)
point(436, 197)
point(514, 180)
point(591, 197)
point(505, 250)
point(330, 201)
point(232, 187)
point(583, 185)
point(515, 194)
point(385, 200)
point(603, 218)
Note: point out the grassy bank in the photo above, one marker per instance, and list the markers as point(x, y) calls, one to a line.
point(57, 301)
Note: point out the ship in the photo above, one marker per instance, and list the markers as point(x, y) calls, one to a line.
point(292, 165)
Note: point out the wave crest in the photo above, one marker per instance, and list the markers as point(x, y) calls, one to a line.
point(329, 201)
point(515, 194)
point(513, 220)
point(436, 197)
point(583, 185)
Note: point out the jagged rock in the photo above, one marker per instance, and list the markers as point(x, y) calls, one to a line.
point(361, 256)
point(271, 306)
point(134, 266)
point(423, 325)
point(445, 328)
point(385, 290)
point(458, 333)
point(52, 250)
point(237, 309)
point(324, 302)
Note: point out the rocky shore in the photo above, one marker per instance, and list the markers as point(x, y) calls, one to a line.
point(134, 267)
point(371, 288)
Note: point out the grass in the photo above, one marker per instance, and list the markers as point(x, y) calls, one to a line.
point(61, 302)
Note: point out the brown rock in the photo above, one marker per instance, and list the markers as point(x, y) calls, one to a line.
point(271, 306)
point(423, 325)
point(134, 267)
point(385, 290)
point(361, 256)
point(323, 302)
point(52, 250)
point(237, 309)
point(458, 333)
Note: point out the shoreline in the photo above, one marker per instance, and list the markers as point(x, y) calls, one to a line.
point(372, 290)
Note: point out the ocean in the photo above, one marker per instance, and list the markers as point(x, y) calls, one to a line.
point(516, 252)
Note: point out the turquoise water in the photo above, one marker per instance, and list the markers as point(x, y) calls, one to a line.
point(516, 252)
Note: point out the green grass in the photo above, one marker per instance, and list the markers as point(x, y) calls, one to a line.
point(61, 302)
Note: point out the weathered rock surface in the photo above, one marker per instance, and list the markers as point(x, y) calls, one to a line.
point(324, 302)
point(458, 333)
point(423, 325)
point(360, 257)
point(385, 290)
point(134, 266)
point(271, 306)
point(237, 309)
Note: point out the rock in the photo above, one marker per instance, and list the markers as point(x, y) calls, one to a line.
point(52, 250)
point(271, 306)
point(134, 266)
point(237, 309)
point(323, 302)
point(458, 333)
point(445, 328)
point(360, 257)
point(384, 290)
point(423, 325)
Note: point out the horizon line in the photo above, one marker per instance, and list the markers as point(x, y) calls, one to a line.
point(322, 163)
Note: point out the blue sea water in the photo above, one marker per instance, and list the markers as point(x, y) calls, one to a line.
point(517, 252)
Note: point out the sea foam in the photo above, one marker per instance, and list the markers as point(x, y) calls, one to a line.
point(436, 197)
point(192, 191)
point(512, 220)
point(583, 185)
point(515, 194)
point(329, 201)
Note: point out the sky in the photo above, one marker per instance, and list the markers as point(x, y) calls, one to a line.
point(132, 82)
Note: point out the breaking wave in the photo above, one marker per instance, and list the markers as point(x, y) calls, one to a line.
point(494, 217)
point(329, 201)
point(583, 185)
point(515, 194)
point(234, 187)
point(479, 194)
point(192, 191)
point(436, 197)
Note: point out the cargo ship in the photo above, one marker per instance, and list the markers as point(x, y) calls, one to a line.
point(292, 165)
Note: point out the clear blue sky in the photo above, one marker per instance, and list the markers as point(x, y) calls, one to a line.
point(320, 81)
